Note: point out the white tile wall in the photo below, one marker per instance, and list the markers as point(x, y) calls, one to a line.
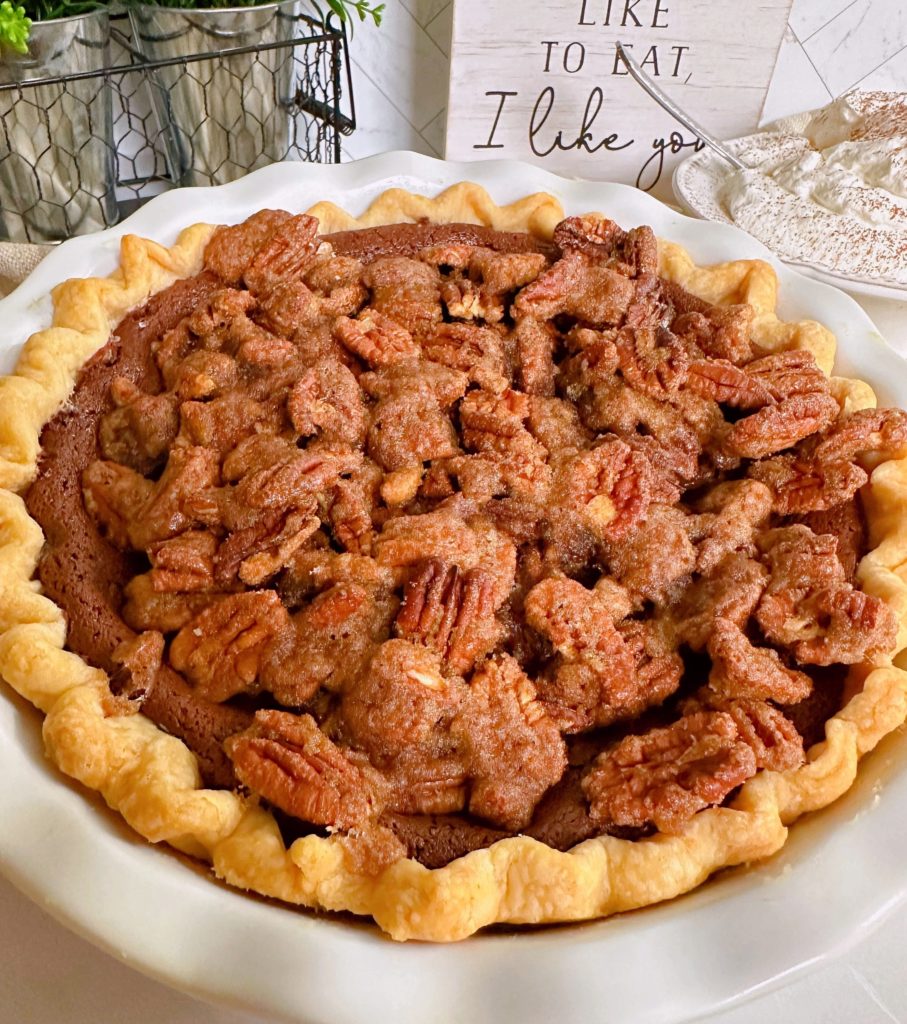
point(400, 70)
point(808, 16)
point(400, 79)
point(858, 40)
point(796, 84)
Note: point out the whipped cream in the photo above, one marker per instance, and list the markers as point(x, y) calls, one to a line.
point(829, 188)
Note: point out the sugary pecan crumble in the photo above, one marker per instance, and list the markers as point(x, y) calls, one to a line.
point(445, 534)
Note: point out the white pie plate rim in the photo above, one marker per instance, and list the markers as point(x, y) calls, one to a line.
point(839, 875)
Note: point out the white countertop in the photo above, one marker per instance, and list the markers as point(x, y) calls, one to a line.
point(50, 976)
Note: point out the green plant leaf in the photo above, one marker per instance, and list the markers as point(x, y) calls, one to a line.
point(15, 27)
point(362, 8)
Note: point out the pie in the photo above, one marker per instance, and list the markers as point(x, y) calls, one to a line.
point(457, 565)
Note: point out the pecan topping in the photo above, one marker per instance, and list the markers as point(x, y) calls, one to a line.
point(654, 555)
point(781, 426)
point(652, 360)
point(613, 407)
point(502, 273)
point(800, 485)
point(609, 487)
point(476, 351)
point(880, 431)
point(231, 249)
point(376, 338)
point(594, 362)
point(411, 379)
point(577, 287)
point(591, 234)
point(535, 346)
point(184, 563)
point(283, 255)
point(809, 605)
point(292, 479)
point(408, 428)
point(220, 650)
point(720, 332)
point(666, 775)
point(785, 374)
point(602, 675)
point(511, 458)
point(450, 612)
point(482, 279)
point(443, 534)
point(770, 735)
point(631, 253)
point(406, 290)
point(732, 590)
point(138, 662)
point(140, 430)
point(223, 423)
point(514, 751)
point(327, 401)
point(730, 514)
point(162, 611)
point(847, 524)
point(573, 618)
point(855, 627)
point(112, 494)
point(254, 554)
point(400, 712)
point(401, 703)
point(204, 374)
point(292, 764)
point(802, 405)
point(450, 507)
point(330, 643)
point(727, 384)
point(741, 670)
point(555, 423)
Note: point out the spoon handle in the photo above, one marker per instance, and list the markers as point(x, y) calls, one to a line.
point(671, 107)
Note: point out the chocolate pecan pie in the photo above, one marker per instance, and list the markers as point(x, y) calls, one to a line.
point(446, 573)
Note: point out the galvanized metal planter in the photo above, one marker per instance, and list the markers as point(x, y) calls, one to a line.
point(229, 116)
point(68, 165)
point(57, 154)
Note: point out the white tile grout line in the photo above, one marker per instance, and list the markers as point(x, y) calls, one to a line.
point(443, 14)
point(831, 95)
point(405, 116)
point(876, 68)
point(432, 119)
point(830, 20)
point(424, 30)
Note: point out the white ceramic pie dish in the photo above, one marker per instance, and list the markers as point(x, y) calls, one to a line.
point(840, 872)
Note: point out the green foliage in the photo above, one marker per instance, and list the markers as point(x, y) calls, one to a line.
point(15, 22)
point(44, 10)
point(361, 7)
point(14, 26)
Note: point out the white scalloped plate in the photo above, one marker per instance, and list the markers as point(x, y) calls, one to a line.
point(840, 873)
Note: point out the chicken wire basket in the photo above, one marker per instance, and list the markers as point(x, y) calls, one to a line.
point(79, 150)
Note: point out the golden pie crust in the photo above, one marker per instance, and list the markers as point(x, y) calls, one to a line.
point(153, 779)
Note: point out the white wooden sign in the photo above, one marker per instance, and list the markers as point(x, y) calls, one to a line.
point(541, 80)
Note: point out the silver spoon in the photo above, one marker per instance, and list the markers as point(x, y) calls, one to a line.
point(671, 107)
